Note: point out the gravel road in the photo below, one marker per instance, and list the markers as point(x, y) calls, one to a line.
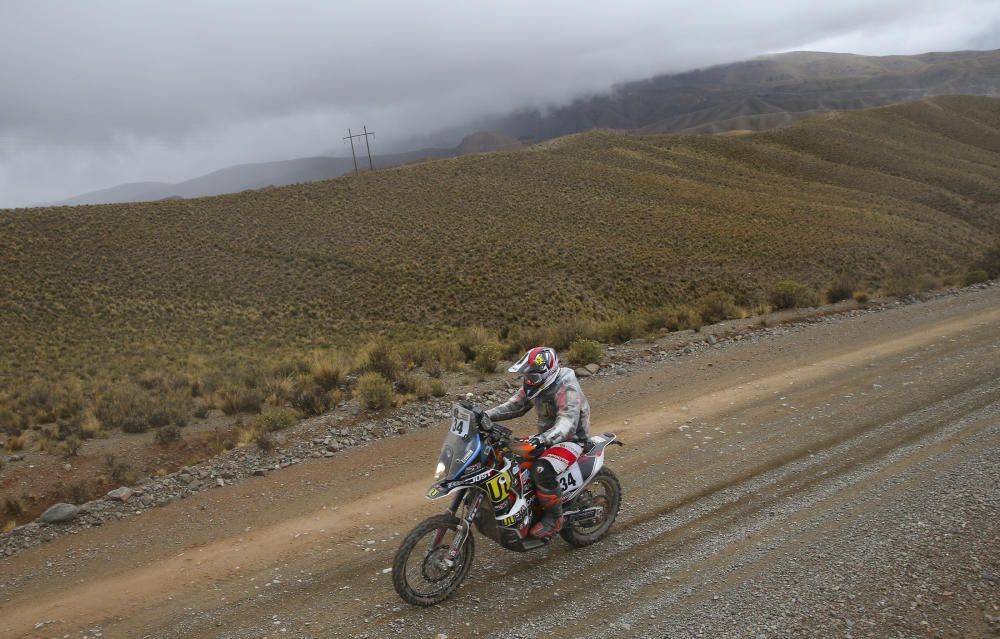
point(835, 479)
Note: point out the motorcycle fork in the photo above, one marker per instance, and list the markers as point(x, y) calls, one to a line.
point(464, 527)
point(456, 502)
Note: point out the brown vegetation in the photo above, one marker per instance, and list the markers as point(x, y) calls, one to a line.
point(137, 316)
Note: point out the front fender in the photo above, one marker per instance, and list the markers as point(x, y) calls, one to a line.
point(444, 488)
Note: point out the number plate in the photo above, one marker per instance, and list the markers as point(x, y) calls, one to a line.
point(461, 419)
point(570, 479)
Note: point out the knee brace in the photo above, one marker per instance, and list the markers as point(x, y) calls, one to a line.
point(544, 476)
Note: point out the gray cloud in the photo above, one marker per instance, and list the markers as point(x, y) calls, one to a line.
point(101, 92)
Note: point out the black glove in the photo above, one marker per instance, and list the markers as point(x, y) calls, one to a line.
point(535, 440)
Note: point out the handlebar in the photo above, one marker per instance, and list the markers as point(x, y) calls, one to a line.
point(492, 431)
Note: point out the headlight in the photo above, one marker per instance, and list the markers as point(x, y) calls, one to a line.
point(439, 471)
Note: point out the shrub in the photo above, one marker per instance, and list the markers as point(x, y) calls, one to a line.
point(450, 355)
point(990, 262)
point(327, 370)
point(382, 359)
point(273, 419)
point(125, 406)
point(264, 440)
point(15, 443)
point(621, 328)
point(71, 447)
point(312, 401)
point(232, 399)
point(375, 391)
point(120, 472)
point(472, 338)
point(422, 391)
point(976, 277)
point(438, 388)
point(434, 368)
point(280, 389)
point(168, 434)
point(840, 290)
point(792, 294)
point(407, 383)
point(90, 427)
point(79, 492)
point(583, 352)
point(717, 306)
point(487, 357)
point(13, 507)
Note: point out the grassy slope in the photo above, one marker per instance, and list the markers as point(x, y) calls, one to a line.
point(593, 224)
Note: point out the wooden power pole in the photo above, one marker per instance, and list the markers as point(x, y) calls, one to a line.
point(351, 136)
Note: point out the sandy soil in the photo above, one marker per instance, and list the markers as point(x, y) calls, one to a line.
point(838, 479)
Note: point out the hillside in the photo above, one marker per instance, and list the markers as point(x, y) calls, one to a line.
point(229, 289)
point(765, 92)
point(243, 177)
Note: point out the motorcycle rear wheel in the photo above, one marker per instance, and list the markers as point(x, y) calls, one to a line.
point(419, 574)
point(604, 491)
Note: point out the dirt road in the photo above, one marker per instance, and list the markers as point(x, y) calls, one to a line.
point(839, 479)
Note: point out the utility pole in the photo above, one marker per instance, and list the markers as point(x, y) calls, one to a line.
point(351, 136)
point(371, 165)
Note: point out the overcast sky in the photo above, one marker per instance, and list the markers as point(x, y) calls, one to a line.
point(99, 92)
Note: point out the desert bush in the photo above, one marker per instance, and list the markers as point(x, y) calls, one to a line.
point(379, 357)
point(407, 383)
point(438, 388)
point(717, 306)
point(990, 262)
point(120, 472)
point(375, 391)
point(584, 351)
point(125, 406)
point(233, 399)
point(90, 427)
point(15, 443)
point(422, 390)
point(279, 389)
point(488, 356)
point(792, 294)
point(71, 447)
point(78, 492)
point(470, 339)
point(841, 289)
point(264, 440)
point(561, 334)
point(976, 277)
point(312, 400)
point(434, 368)
point(328, 369)
point(621, 328)
point(13, 507)
point(168, 434)
point(274, 419)
point(449, 354)
point(861, 297)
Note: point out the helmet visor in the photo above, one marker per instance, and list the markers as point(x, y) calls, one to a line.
point(533, 379)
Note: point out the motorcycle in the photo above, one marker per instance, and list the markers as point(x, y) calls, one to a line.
point(488, 474)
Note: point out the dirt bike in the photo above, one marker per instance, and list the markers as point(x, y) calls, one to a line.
point(488, 474)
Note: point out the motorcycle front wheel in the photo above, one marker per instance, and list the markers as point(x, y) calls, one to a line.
point(421, 573)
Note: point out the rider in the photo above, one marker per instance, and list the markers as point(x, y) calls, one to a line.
point(563, 425)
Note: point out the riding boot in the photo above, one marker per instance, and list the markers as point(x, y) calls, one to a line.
point(552, 519)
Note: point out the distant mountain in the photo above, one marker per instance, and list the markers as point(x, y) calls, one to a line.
point(254, 176)
point(757, 94)
point(763, 93)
